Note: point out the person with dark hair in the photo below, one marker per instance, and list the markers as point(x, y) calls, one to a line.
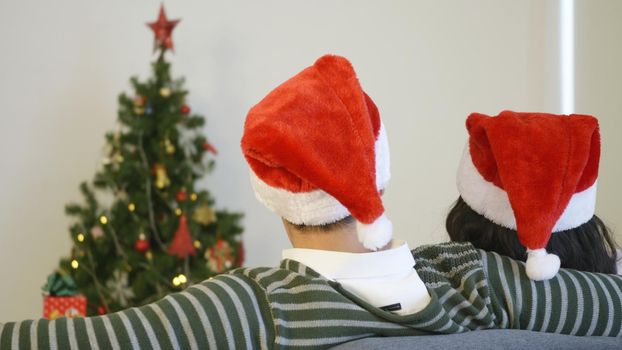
point(527, 184)
point(319, 159)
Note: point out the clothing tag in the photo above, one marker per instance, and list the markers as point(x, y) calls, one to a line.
point(392, 307)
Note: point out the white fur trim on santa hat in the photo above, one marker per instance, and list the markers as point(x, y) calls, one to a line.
point(318, 207)
point(375, 235)
point(493, 203)
point(541, 265)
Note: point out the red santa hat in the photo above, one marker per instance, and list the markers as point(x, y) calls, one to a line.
point(318, 151)
point(534, 173)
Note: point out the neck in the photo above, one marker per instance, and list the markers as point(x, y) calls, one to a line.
point(340, 239)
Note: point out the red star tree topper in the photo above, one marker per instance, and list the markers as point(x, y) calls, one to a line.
point(163, 31)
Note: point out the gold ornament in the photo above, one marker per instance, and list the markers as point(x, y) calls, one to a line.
point(168, 146)
point(178, 212)
point(149, 255)
point(139, 100)
point(162, 179)
point(193, 197)
point(139, 110)
point(131, 207)
point(197, 244)
point(204, 215)
point(165, 92)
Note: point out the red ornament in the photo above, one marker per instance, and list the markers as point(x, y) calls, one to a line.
point(182, 244)
point(142, 244)
point(101, 310)
point(185, 109)
point(210, 148)
point(181, 196)
point(163, 29)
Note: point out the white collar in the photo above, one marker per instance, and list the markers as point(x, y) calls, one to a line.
point(339, 265)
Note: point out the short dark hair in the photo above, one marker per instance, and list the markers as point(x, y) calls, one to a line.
point(325, 227)
point(589, 247)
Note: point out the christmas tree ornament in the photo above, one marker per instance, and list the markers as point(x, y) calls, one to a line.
point(168, 146)
point(97, 232)
point(139, 101)
point(204, 214)
point(119, 289)
point(142, 244)
point(240, 255)
point(162, 179)
point(185, 109)
point(220, 256)
point(178, 211)
point(193, 197)
point(210, 148)
point(139, 110)
point(101, 310)
point(163, 30)
point(181, 196)
point(181, 246)
point(197, 244)
point(165, 92)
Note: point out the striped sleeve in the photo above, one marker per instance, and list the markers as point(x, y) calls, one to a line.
point(573, 302)
point(225, 312)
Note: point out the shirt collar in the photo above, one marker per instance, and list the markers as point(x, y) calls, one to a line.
point(339, 265)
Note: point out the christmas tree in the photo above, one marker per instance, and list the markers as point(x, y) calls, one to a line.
point(157, 233)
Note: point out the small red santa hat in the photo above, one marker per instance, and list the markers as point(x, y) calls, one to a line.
point(318, 151)
point(534, 173)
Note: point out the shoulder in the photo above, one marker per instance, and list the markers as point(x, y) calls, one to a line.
point(447, 262)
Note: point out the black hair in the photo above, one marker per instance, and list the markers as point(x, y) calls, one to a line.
point(589, 247)
point(325, 227)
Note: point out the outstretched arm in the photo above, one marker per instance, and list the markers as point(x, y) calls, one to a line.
point(223, 312)
point(573, 302)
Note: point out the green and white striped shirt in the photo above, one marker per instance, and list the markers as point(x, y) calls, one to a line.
point(293, 307)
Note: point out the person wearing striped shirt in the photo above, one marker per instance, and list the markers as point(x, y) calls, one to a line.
point(345, 278)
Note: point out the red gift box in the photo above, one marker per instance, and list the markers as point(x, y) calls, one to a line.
point(55, 307)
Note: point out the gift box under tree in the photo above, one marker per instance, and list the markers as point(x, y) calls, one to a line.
point(60, 298)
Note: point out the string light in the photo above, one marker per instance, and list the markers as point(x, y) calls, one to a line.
point(178, 212)
point(103, 219)
point(182, 278)
point(131, 207)
point(197, 244)
point(80, 237)
point(74, 263)
point(193, 197)
point(176, 281)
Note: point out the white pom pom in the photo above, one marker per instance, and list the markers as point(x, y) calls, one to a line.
point(541, 265)
point(375, 235)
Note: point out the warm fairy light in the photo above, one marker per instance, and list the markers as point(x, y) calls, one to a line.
point(103, 219)
point(176, 281)
point(149, 255)
point(197, 244)
point(74, 263)
point(80, 237)
point(178, 212)
point(182, 278)
point(193, 197)
point(131, 207)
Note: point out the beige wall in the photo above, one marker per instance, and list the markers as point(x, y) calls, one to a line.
point(599, 92)
point(426, 63)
